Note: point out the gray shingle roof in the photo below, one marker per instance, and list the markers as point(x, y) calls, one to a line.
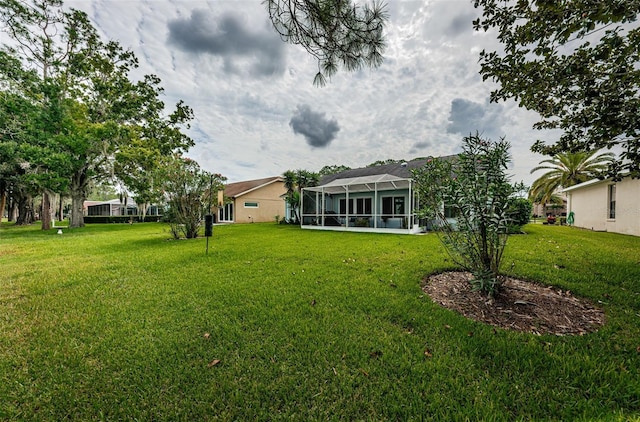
point(396, 169)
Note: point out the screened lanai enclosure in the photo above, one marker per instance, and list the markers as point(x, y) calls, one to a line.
point(371, 203)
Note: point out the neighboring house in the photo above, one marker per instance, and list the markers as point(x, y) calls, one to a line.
point(109, 208)
point(371, 199)
point(252, 201)
point(115, 207)
point(605, 205)
point(556, 210)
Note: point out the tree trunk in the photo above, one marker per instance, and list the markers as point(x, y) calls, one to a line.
point(60, 209)
point(45, 213)
point(145, 206)
point(13, 209)
point(3, 203)
point(77, 209)
point(3, 198)
point(25, 210)
point(78, 196)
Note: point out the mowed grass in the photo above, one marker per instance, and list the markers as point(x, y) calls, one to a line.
point(116, 322)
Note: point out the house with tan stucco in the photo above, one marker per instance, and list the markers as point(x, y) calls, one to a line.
point(606, 205)
point(252, 201)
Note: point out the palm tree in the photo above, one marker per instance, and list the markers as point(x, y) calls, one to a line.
point(294, 182)
point(567, 169)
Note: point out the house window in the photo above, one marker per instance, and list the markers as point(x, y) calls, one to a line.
point(449, 212)
point(612, 201)
point(363, 206)
point(130, 211)
point(101, 210)
point(357, 206)
point(251, 205)
point(343, 206)
point(393, 205)
point(398, 205)
point(387, 205)
point(226, 213)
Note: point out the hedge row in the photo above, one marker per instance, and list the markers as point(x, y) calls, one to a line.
point(102, 219)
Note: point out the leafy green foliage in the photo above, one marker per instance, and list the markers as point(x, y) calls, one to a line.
point(336, 33)
point(138, 162)
point(87, 106)
point(476, 188)
point(189, 191)
point(384, 162)
point(567, 169)
point(575, 63)
point(518, 213)
point(333, 169)
point(102, 192)
point(294, 182)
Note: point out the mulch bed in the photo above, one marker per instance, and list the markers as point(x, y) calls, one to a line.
point(520, 305)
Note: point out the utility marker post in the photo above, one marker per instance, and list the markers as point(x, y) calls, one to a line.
point(208, 219)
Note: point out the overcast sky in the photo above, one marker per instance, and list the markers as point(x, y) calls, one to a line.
point(258, 113)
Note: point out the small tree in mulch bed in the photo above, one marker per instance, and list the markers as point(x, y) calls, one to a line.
point(468, 199)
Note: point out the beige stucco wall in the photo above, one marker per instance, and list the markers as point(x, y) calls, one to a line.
point(269, 202)
point(590, 207)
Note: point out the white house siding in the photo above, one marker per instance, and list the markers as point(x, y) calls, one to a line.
point(590, 204)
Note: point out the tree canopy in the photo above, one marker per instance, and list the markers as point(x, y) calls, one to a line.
point(332, 169)
point(576, 63)
point(335, 32)
point(86, 110)
point(385, 162)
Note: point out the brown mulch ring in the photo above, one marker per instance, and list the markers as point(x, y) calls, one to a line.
point(520, 305)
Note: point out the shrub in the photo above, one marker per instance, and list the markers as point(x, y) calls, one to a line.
point(519, 213)
point(188, 190)
point(475, 188)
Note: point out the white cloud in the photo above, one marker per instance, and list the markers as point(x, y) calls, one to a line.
point(244, 85)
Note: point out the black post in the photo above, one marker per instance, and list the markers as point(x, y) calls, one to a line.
point(208, 219)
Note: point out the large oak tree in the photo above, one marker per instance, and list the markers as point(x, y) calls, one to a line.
point(90, 105)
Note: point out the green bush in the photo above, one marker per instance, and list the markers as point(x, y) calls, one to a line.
point(475, 188)
point(519, 213)
point(103, 219)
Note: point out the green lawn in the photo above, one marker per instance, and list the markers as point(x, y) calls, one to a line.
point(116, 322)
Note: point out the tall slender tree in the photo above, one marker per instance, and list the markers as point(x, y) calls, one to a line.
point(294, 182)
point(35, 31)
point(18, 138)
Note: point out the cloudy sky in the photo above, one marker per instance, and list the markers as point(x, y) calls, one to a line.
point(258, 113)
